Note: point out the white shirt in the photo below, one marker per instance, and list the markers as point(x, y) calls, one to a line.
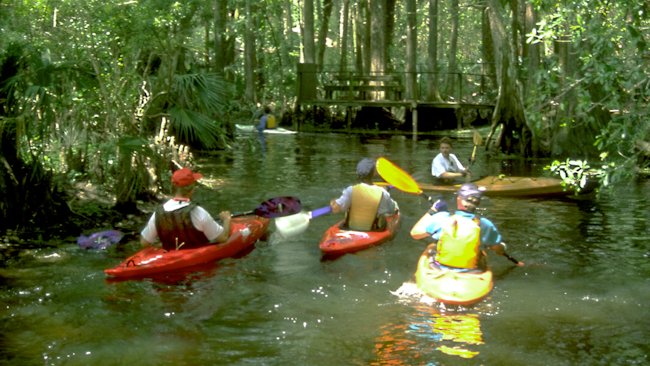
point(440, 164)
point(201, 219)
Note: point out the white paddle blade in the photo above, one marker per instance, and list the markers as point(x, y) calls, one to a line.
point(292, 225)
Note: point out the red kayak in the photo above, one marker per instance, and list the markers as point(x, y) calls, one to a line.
point(151, 261)
point(337, 241)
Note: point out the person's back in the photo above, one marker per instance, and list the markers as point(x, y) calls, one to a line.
point(459, 242)
point(365, 204)
point(460, 238)
point(364, 208)
point(181, 224)
point(270, 121)
point(267, 121)
point(176, 230)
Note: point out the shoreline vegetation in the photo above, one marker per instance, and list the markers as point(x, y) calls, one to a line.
point(92, 209)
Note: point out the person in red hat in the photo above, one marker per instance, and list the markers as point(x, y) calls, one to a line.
point(182, 224)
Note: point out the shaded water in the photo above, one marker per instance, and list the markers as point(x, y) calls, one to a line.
point(582, 299)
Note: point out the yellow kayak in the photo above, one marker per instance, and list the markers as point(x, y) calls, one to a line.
point(452, 287)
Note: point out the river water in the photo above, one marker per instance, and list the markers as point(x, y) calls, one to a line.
point(581, 299)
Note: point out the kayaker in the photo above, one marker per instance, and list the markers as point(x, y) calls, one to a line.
point(445, 167)
point(182, 224)
point(267, 121)
point(366, 205)
point(462, 238)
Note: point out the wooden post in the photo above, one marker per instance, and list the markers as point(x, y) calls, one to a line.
point(306, 83)
point(348, 118)
point(414, 119)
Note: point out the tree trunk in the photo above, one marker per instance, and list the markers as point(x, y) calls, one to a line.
point(309, 52)
point(530, 52)
point(411, 47)
point(452, 76)
point(344, 31)
point(509, 109)
point(324, 28)
point(220, 10)
point(389, 23)
point(432, 79)
point(359, 37)
point(377, 36)
point(249, 55)
point(542, 135)
point(488, 47)
point(365, 44)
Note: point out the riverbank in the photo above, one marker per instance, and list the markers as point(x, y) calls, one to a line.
point(91, 210)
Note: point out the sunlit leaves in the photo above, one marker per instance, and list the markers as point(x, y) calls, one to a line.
point(577, 173)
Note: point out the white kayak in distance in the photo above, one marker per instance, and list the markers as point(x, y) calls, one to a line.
point(275, 131)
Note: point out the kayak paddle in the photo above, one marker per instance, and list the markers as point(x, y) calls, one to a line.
point(275, 207)
point(476, 140)
point(296, 224)
point(398, 178)
point(513, 260)
point(510, 258)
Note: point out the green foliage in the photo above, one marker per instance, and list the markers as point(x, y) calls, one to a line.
point(576, 174)
point(196, 100)
point(92, 80)
point(604, 99)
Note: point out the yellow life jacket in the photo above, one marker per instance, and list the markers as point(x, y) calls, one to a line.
point(363, 208)
point(459, 242)
point(270, 121)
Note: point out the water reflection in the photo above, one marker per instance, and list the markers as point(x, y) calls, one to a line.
point(262, 139)
point(428, 331)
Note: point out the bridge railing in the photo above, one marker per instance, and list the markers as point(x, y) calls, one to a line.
point(473, 87)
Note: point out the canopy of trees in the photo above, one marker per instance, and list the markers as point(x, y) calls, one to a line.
point(111, 91)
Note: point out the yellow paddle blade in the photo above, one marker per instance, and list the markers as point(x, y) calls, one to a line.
point(476, 138)
point(396, 177)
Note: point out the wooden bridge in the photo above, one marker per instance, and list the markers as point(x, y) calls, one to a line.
point(350, 90)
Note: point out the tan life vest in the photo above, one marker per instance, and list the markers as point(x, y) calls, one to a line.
point(270, 121)
point(459, 242)
point(364, 206)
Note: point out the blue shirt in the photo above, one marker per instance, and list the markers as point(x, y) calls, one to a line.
point(262, 125)
point(489, 234)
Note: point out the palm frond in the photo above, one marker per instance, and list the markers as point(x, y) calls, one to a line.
point(191, 125)
point(208, 93)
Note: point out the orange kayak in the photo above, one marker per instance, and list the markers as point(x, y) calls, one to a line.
point(337, 241)
point(452, 287)
point(507, 186)
point(151, 261)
